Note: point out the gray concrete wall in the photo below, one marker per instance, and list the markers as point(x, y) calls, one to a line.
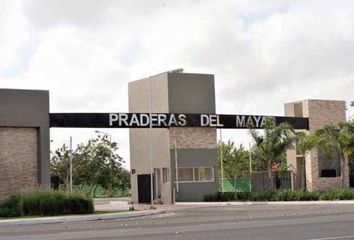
point(194, 191)
point(191, 93)
point(29, 108)
point(139, 138)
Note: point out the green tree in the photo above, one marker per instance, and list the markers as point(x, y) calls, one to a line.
point(104, 163)
point(235, 161)
point(95, 163)
point(270, 147)
point(337, 139)
point(60, 164)
point(305, 142)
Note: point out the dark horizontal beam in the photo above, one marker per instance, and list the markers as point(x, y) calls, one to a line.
point(166, 120)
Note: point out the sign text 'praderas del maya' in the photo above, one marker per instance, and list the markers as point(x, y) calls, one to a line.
point(166, 120)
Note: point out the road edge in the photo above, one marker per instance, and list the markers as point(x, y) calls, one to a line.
point(79, 218)
point(265, 203)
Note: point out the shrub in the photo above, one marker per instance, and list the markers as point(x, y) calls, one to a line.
point(46, 203)
point(284, 195)
point(11, 208)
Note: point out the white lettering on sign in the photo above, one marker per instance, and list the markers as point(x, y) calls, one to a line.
point(204, 120)
point(123, 119)
point(182, 120)
point(162, 120)
point(153, 119)
point(112, 118)
point(172, 121)
point(134, 120)
point(211, 120)
point(214, 121)
point(240, 121)
point(144, 120)
point(263, 121)
point(257, 120)
point(250, 121)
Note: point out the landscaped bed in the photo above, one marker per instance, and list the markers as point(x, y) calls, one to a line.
point(46, 203)
point(288, 195)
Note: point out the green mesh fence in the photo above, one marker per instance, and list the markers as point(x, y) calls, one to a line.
point(242, 184)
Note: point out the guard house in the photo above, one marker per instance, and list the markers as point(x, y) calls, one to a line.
point(191, 150)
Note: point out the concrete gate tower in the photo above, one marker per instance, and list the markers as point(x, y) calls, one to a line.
point(195, 148)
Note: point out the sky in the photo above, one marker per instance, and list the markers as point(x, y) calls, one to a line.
point(263, 53)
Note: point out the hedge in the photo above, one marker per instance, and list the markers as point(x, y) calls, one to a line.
point(284, 195)
point(46, 203)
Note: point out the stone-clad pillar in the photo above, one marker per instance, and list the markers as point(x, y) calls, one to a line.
point(320, 113)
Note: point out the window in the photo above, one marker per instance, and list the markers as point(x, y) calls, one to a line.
point(185, 174)
point(203, 174)
point(197, 174)
point(165, 175)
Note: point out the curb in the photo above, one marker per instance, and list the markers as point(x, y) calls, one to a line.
point(341, 202)
point(78, 218)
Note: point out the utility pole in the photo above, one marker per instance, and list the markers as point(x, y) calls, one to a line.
point(176, 163)
point(250, 157)
point(150, 149)
point(71, 164)
point(221, 161)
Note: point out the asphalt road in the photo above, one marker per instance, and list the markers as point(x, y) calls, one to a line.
point(308, 222)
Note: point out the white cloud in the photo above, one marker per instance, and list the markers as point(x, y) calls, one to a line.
point(263, 53)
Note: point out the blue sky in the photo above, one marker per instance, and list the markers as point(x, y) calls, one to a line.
point(263, 52)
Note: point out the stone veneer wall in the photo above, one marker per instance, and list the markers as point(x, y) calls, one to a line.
point(321, 112)
point(193, 138)
point(18, 160)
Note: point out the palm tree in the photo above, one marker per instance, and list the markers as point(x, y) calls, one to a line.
point(305, 142)
point(272, 145)
point(337, 139)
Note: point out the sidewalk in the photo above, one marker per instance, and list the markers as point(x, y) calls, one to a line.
point(111, 204)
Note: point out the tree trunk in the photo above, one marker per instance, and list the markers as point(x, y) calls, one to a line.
point(94, 190)
point(342, 171)
point(67, 183)
point(270, 179)
point(303, 176)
